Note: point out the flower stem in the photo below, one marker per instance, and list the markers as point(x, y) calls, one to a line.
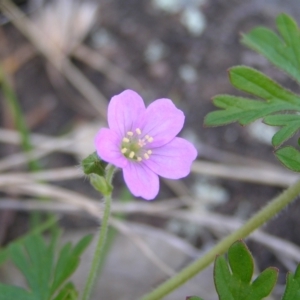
point(101, 240)
point(269, 211)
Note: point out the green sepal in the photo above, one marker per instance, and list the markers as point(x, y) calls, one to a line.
point(290, 157)
point(100, 184)
point(93, 164)
point(233, 279)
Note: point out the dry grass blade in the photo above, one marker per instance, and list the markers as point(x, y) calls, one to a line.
point(275, 176)
point(101, 64)
point(55, 56)
point(122, 227)
point(53, 192)
point(228, 224)
point(17, 159)
point(58, 174)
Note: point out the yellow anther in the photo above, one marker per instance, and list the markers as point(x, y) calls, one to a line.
point(124, 150)
point(125, 140)
point(131, 154)
point(138, 131)
point(139, 158)
point(146, 156)
point(130, 133)
point(149, 152)
point(150, 139)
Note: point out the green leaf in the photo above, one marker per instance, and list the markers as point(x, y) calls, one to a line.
point(263, 285)
point(68, 261)
point(9, 292)
point(93, 165)
point(290, 125)
point(68, 292)
point(193, 298)
point(258, 84)
point(238, 253)
point(34, 259)
point(4, 252)
point(292, 289)
point(283, 53)
point(239, 109)
point(290, 157)
point(245, 110)
point(45, 274)
point(233, 280)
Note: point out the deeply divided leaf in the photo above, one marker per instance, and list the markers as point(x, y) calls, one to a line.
point(9, 292)
point(44, 273)
point(290, 124)
point(284, 51)
point(245, 110)
point(233, 279)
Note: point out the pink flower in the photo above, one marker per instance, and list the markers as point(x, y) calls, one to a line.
point(142, 141)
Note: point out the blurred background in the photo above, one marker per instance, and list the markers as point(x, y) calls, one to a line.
point(60, 63)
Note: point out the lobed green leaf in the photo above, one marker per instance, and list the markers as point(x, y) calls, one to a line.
point(290, 125)
point(233, 279)
point(9, 292)
point(292, 289)
point(283, 53)
point(45, 274)
point(68, 292)
point(290, 157)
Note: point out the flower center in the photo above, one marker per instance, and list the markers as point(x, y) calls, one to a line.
point(135, 146)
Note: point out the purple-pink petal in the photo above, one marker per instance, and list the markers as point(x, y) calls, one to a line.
point(124, 110)
point(141, 181)
point(107, 144)
point(162, 121)
point(173, 160)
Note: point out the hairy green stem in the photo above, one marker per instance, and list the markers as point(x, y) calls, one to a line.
point(101, 240)
point(269, 211)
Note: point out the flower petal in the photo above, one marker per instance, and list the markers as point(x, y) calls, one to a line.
point(124, 110)
point(141, 181)
point(107, 144)
point(162, 121)
point(172, 160)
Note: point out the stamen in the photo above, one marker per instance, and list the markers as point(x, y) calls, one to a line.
point(124, 150)
point(125, 140)
point(150, 139)
point(149, 152)
point(138, 131)
point(146, 156)
point(130, 133)
point(131, 154)
point(139, 158)
point(147, 137)
point(141, 143)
